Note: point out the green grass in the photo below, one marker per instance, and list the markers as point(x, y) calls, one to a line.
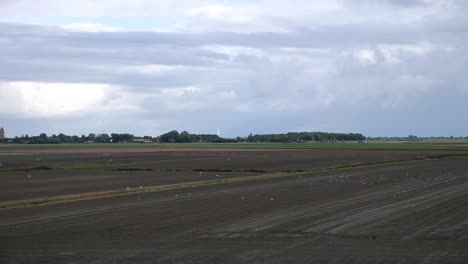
point(420, 145)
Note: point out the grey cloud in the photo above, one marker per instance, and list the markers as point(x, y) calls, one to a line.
point(38, 53)
point(385, 78)
point(324, 36)
point(397, 3)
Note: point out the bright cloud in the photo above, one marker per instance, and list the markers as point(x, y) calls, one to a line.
point(180, 91)
point(48, 100)
point(90, 27)
point(365, 56)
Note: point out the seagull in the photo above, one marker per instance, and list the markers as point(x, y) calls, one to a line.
point(128, 188)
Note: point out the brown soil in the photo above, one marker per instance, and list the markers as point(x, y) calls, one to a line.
point(396, 213)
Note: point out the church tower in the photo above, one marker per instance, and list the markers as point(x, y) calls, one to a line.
point(2, 133)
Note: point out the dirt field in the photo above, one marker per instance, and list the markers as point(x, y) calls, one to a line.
point(37, 184)
point(402, 212)
point(214, 159)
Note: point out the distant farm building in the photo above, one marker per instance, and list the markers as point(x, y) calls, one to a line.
point(142, 140)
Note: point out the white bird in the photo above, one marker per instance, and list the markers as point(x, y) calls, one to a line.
point(29, 175)
point(128, 188)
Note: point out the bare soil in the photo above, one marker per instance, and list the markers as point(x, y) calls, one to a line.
point(234, 159)
point(412, 212)
point(24, 185)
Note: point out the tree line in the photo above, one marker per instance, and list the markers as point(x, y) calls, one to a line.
point(62, 138)
point(304, 136)
point(185, 137)
point(291, 137)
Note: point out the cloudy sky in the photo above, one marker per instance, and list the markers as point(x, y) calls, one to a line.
point(378, 67)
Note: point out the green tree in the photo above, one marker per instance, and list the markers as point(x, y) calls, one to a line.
point(103, 138)
point(170, 135)
point(184, 137)
point(91, 137)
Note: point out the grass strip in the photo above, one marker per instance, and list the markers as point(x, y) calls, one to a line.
point(404, 145)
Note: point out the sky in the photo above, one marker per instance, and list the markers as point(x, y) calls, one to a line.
point(377, 67)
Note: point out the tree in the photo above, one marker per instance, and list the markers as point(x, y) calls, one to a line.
point(64, 138)
point(184, 137)
point(170, 135)
point(115, 138)
point(91, 137)
point(102, 138)
point(126, 137)
point(43, 139)
point(118, 138)
point(54, 140)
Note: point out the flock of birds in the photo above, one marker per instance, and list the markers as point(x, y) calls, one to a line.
point(446, 176)
point(340, 179)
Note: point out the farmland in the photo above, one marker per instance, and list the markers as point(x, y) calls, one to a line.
point(234, 203)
